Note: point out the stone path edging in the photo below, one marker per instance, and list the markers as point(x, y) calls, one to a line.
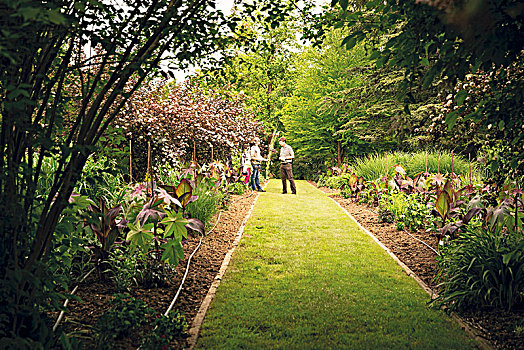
point(472, 332)
point(199, 317)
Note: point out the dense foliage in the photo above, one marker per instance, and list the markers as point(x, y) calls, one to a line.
point(479, 226)
point(57, 102)
point(182, 122)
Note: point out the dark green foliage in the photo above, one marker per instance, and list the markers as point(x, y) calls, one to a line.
point(57, 103)
point(166, 329)
point(126, 316)
point(385, 215)
point(482, 268)
point(32, 321)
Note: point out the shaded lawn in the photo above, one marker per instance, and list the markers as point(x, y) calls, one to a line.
point(305, 277)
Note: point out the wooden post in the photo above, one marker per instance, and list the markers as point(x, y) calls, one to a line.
point(149, 177)
point(438, 162)
point(426, 161)
point(194, 149)
point(452, 162)
point(130, 161)
point(469, 162)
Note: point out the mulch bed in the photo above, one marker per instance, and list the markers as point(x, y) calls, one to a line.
point(497, 326)
point(204, 266)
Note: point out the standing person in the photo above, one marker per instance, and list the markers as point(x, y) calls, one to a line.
point(245, 166)
point(256, 159)
point(286, 172)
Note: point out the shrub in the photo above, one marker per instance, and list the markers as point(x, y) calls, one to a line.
point(337, 182)
point(417, 213)
point(125, 315)
point(482, 268)
point(396, 202)
point(167, 328)
point(237, 188)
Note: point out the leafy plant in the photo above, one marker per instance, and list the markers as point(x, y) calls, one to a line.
point(126, 315)
point(396, 202)
point(167, 328)
point(174, 232)
point(417, 214)
point(124, 269)
point(105, 227)
point(482, 268)
point(385, 215)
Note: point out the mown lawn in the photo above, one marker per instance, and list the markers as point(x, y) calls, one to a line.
point(306, 277)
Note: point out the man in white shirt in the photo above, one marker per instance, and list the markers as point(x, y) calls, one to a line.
point(256, 159)
point(286, 171)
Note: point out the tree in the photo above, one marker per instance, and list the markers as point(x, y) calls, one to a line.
point(182, 122)
point(444, 41)
point(42, 47)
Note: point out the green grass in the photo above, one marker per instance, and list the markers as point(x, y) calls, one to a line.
point(306, 277)
point(378, 165)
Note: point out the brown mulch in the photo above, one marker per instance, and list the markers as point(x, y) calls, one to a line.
point(497, 326)
point(205, 264)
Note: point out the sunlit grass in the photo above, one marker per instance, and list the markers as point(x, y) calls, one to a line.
point(378, 165)
point(305, 277)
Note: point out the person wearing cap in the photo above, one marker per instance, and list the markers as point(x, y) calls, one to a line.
point(286, 171)
point(256, 159)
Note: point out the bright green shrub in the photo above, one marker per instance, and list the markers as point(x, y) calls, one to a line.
point(337, 182)
point(396, 202)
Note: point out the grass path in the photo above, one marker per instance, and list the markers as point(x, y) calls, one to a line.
point(306, 277)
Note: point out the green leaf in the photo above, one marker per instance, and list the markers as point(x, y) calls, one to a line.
point(442, 204)
point(344, 4)
point(424, 61)
point(382, 60)
point(351, 43)
point(451, 119)
point(175, 225)
point(29, 13)
point(140, 236)
point(184, 188)
point(56, 17)
point(173, 252)
point(460, 97)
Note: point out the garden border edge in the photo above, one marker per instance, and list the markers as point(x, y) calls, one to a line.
point(194, 331)
point(482, 343)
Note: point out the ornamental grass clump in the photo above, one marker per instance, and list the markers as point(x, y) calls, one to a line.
point(376, 166)
point(482, 268)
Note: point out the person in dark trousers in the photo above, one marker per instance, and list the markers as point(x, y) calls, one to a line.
point(286, 171)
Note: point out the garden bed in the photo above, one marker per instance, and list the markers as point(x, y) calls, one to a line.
point(204, 266)
point(497, 326)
